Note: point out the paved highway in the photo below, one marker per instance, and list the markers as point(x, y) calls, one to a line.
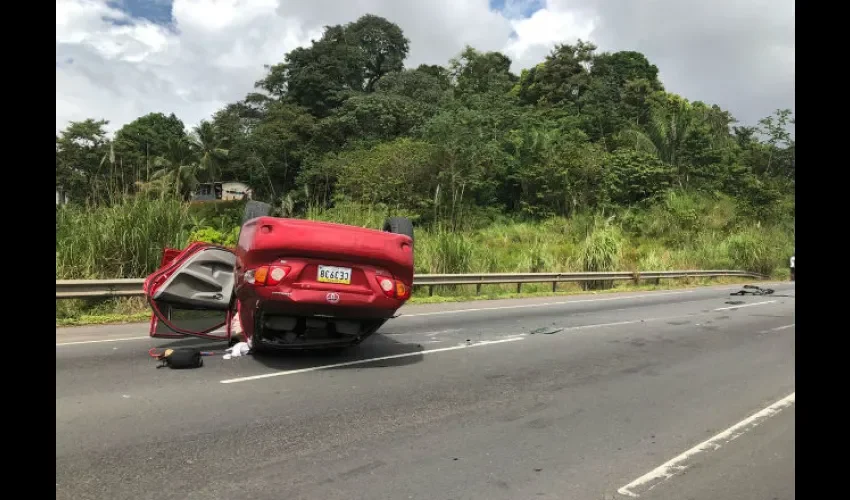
point(658, 395)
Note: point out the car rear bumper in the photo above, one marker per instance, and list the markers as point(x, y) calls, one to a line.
point(262, 343)
point(334, 304)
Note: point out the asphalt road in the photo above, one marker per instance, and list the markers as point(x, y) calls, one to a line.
point(664, 395)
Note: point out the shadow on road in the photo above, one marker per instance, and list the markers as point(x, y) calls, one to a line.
point(377, 346)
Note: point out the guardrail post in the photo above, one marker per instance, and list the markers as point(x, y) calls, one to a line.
point(554, 286)
point(637, 277)
point(430, 290)
point(519, 288)
point(478, 289)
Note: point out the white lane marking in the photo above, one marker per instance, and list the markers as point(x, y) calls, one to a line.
point(102, 341)
point(542, 304)
point(782, 327)
point(617, 323)
point(674, 466)
point(430, 351)
point(371, 360)
point(451, 330)
point(778, 328)
point(745, 305)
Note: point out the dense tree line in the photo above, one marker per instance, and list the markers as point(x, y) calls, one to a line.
point(343, 119)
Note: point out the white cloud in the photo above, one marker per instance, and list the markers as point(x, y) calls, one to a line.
point(739, 54)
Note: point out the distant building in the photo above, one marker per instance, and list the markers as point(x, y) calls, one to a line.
point(221, 191)
point(61, 196)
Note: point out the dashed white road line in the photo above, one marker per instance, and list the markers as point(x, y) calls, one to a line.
point(372, 360)
point(674, 466)
point(745, 305)
point(443, 349)
point(778, 328)
point(782, 327)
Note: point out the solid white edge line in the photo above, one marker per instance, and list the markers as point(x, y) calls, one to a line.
point(104, 340)
point(543, 304)
point(745, 305)
point(370, 360)
point(670, 468)
point(457, 311)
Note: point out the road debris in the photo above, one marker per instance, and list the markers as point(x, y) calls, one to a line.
point(546, 330)
point(753, 290)
point(178, 358)
point(239, 349)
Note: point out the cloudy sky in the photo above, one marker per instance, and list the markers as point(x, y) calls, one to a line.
point(120, 59)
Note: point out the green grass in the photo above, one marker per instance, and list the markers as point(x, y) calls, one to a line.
point(682, 231)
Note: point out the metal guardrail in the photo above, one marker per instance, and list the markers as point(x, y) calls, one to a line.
point(81, 289)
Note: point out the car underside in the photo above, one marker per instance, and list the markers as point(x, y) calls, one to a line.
point(289, 284)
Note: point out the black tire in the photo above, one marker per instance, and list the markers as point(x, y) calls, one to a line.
point(254, 209)
point(399, 225)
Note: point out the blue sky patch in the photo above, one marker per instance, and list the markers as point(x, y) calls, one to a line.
point(155, 11)
point(517, 9)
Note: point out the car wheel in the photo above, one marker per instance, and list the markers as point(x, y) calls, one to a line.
point(254, 209)
point(399, 225)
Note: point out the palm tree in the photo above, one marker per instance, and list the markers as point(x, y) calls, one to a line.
point(176, 170)
point(665, 135)
point(207, 143)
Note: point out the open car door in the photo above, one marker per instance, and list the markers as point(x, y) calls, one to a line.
point(191, 294)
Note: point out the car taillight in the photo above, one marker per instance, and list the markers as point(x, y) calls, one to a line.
point(392, 288)
point(387, 285)
point(402, 291)
point(267, 275)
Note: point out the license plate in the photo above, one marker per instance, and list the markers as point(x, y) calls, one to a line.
point(331, 274)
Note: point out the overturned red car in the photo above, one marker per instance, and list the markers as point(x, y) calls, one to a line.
point(294, 284)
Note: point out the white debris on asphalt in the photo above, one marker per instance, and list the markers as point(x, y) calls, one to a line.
point(239, 349)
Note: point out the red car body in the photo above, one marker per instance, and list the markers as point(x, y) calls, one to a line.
point(293, 283)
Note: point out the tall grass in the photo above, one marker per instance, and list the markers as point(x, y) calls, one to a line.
point(602, 250)
point(443, 252)
point(120, 241)
point(682, 232)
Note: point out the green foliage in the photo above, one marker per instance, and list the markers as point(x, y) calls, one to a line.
point(392, 174)
point(444, 252)
point(754, 249)
point(501, 172)
point(602, 249)
point(214, 236)
point(632, 177)
point(124, 240)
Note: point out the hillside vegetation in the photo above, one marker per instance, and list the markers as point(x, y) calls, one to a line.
point(582, 162)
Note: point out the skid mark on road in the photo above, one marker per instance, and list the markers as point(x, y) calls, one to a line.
point(672, 467)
